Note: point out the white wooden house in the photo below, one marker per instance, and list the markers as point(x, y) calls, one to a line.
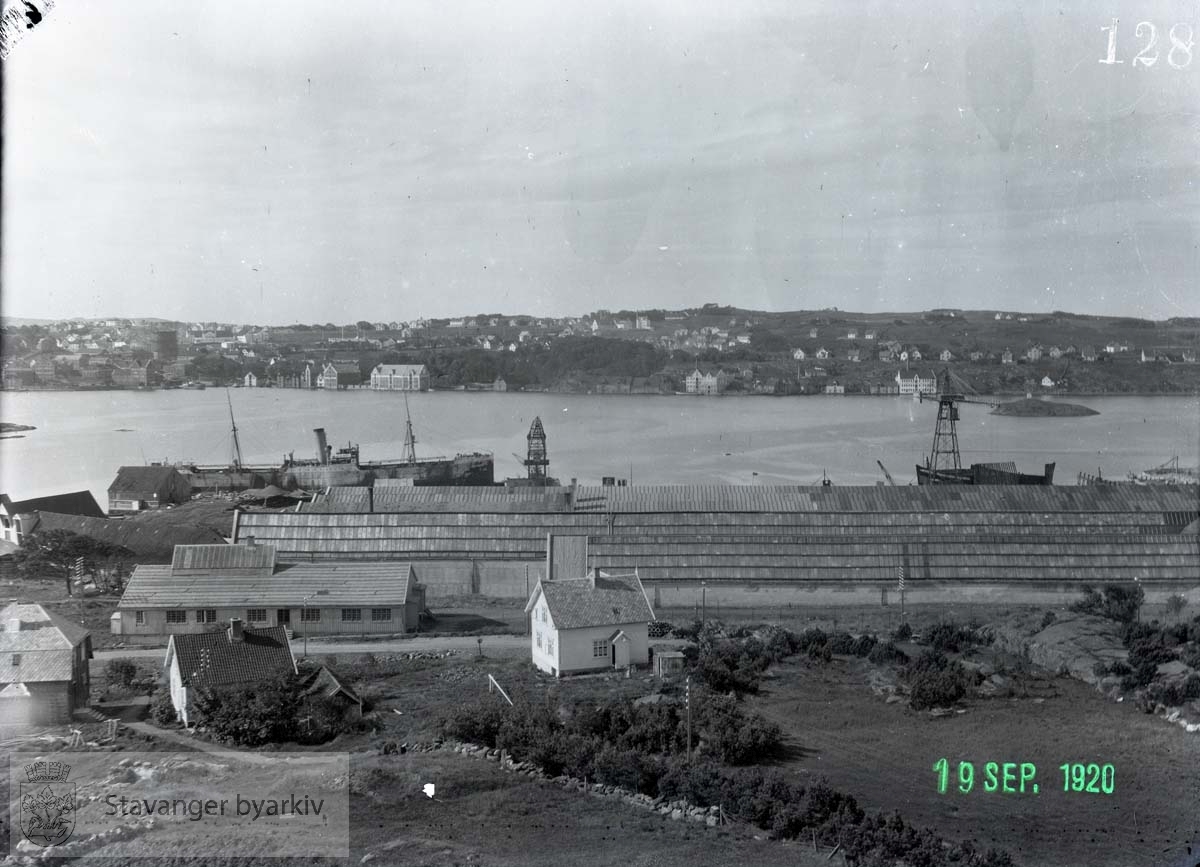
point(586, 624)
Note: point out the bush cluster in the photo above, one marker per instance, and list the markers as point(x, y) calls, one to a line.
point(903, 632)
point(1115, 602)
point(935, 681)
point(1048, 618)
point(639, 748)
point(885, 653)
point(162, 709)
point(950, 637)
point(616, 732)
point(120, 672)
point(271, 712)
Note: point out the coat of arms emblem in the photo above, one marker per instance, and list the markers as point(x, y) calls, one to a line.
point(47, 804)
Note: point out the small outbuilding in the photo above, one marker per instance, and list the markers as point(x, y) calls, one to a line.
point(137, 489)
point(43, 666)
point(586, 624)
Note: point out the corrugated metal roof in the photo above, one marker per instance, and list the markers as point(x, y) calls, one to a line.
point(607, 600)
point(439, 499)
point(345, 584)
point(215, 659)
point(243, 557)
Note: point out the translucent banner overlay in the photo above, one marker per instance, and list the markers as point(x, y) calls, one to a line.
point(179, 805)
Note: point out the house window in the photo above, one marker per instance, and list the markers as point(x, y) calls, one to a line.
point(206, 615)
point(600, 649)
point(16, 659)
point(539, 639)
point(310, 615)
point(351, 615)
point(139, 618)
point(549, 645)
point(256, 615)
point(381, 615)
point(176, 617)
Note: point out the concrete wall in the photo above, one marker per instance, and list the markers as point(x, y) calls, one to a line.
point(503, 579)
point(714, 596)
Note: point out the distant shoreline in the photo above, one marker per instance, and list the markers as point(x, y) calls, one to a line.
point(7, 427)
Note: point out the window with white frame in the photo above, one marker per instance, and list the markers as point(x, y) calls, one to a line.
point(310, 615)
point(351, 615)
point(381, 615)
point(139, 618)
point(206, 615)
point(549, 645)
point(176, 617)
point(539, 639)
point(600, 649)
point(256, 615)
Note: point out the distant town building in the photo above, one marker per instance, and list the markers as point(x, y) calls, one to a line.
point(706, 381)
point(340, 374)
point(250, 380)
point(400, 377)
point(835, 387)
point(946, 355)
point(916, 383)
point(1047, 382)
point(799, 354)
point(1006, 357)
point(643, 324)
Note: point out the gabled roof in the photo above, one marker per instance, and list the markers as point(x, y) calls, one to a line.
point(342, 584)
point(215, 659)
point(325, 683)
point(400, 369)
point(138, 479)
point(73, 503)
point(189, 559)
point(598, 600)
point(45, 643)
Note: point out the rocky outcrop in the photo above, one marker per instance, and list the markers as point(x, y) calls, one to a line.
point(1072, 644)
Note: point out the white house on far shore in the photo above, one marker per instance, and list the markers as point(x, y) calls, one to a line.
point(585, 624)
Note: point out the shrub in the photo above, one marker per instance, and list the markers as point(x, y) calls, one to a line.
point(842, 642)
point(938, 688)
point(863, 645)
point(251, 716)
point(731, 735)
point(1191, 656)
point(476, 722)
point(120, 672)
point(1191, 686)
point(1140, 675)
point(903, 633)
point(162, 710)
point(820, 652)
point(689, 631)
point(810, 637)
point(929, 661)
point(1176, 602)
point(1048, 618)
point(885, 653)
point(1116, 602)
point(1149, 650)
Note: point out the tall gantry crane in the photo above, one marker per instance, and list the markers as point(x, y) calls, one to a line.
point(944, 464)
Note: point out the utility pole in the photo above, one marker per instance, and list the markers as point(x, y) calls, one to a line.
point(703, 603)
point(687, 701)
point(530, 614)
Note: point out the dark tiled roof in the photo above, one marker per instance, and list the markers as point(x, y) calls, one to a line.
point(605, 600)
point(140, 479)
point(325, 683)
point(74, 503)
point(241, 558)
point(214, 659)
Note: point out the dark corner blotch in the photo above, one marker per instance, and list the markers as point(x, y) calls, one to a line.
point(32, 14)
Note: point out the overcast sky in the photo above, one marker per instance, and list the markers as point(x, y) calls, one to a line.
point(276, 162)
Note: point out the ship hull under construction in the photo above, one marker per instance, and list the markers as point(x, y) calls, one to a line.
point(983, 474)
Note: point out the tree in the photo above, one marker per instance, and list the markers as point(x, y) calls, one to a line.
point(251, 715)
point(53, 553)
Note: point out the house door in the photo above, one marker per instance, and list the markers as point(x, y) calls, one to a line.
point(283, 616)
point(620, 653)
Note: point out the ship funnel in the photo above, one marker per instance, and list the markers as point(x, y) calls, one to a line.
point(322, 448)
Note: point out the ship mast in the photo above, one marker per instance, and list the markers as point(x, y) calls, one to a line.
point(237, 446)
point(410, 441)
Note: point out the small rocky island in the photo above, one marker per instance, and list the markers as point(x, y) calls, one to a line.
point(1032, 407)
point(8, 427)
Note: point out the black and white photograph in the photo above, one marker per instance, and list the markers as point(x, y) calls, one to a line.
point(631, 434)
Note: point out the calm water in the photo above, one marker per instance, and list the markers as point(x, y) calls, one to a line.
point(665, 440)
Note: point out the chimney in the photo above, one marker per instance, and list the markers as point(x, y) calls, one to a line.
point(249, 542)
point(14, 625)
point(235, 629)
point(322, 449)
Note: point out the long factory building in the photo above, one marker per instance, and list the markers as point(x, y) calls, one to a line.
point(763, 545)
